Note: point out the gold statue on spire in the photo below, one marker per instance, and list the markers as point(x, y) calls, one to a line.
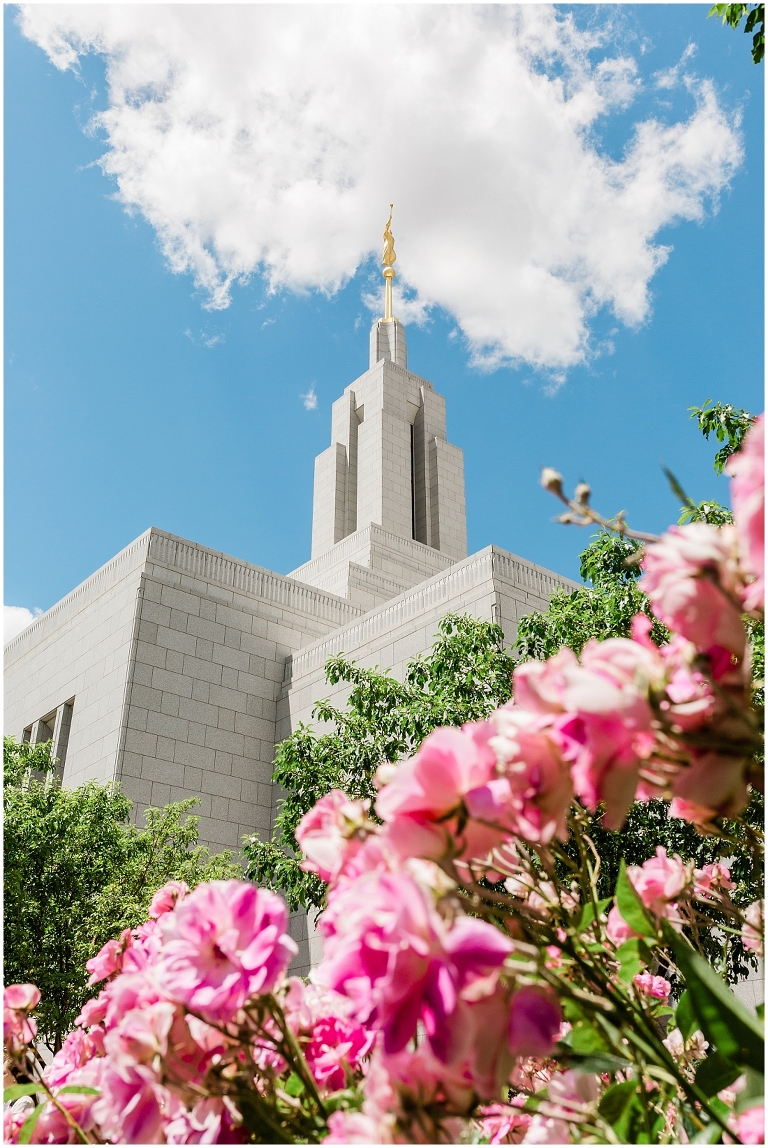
point(388, 258)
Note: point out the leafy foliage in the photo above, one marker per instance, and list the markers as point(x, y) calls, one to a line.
point(733, 14)
point(603, 609)
point(467, 674)
point(729, 424)
point(77, 874)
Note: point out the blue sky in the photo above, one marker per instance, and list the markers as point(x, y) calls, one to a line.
point(128, 403)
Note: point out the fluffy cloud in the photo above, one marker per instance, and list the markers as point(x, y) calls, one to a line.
point(16, 619)
point(270, 139)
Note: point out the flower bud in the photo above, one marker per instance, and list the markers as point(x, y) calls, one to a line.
point(551, 480)
point(582, 493)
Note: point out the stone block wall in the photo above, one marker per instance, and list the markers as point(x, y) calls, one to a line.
point(212, 637)
point(79, 651)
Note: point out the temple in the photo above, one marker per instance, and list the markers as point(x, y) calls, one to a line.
point(175, 669)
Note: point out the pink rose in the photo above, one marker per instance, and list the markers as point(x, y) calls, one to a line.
point(337, 1045)
point(223, 944)
point(749, 1126)
point(617, 929)
point(21, 997)
point(538, 783)
point(19, 1029)
point(78, 1048)
point(534, 1021)
point(570, 1091)
point(165, 899)
point(325, 834)
point(602, 718)
point(690, 577)
point(698, 815)
point(389, 951)
point(345, 1126)
point(713, 782)
point(503, 1123)
point(93, 1011)
point(109, 959)
point(651, 986)
point(747, 471)
point(140, 1036)
point(52, 1127)
point(422, 803)
point(712, 878)
point(659, 880)
point(129, 1109)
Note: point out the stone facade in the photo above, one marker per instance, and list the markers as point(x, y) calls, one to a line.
point(175, 669)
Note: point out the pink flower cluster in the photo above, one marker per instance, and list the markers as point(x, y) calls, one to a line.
point(171, 1006)
point(411, 969)
point(657, 882)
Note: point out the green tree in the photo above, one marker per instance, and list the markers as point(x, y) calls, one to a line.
point(467, 674)
point(733, 14)
point(729, 425)
point(603, 608)
point(77, 873)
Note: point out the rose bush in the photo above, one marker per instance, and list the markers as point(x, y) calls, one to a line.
point(473, 983)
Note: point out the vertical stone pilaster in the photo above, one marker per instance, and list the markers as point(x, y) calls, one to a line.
point(329, 507)
point(61, 728)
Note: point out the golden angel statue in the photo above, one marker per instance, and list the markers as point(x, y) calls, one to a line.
point(388, 256)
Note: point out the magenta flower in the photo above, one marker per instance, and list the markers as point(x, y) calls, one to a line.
point(747, 471)
point(131, 1105)
point(337, 1044)
point(534, 1021)
point(224, 943)
point(652, 986)
point(390, 952)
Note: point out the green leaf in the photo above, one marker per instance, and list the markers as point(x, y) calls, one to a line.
point(294, 1085)
point(616, 1099)
point(29, 1125)
point(597, 1063)
point(631, 907)
point(588, 913)
point(82, 1089)
point(585, 1038)
point(752, 1093)
point(715, 1073)
point(723, 1019)
point(633, 956)
point(685, 1017)
point(14, 1091)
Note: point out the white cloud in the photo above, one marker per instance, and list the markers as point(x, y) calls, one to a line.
point(310, 399)
point(271, 138)
point(16, 619)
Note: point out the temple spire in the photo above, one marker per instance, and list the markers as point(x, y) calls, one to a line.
point(388, 258)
